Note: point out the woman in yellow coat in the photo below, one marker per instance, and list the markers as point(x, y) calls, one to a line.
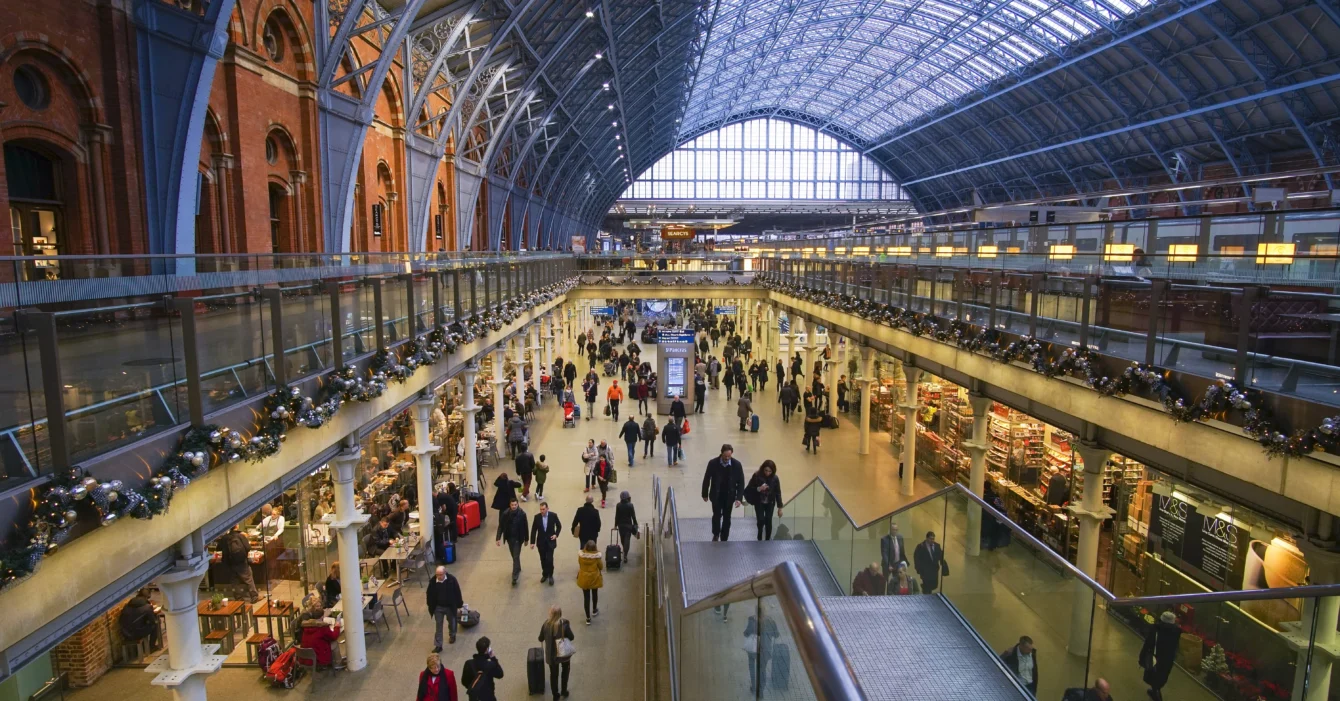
point(590, 565)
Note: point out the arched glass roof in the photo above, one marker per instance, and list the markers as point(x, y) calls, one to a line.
point(871, 66)
point(763, 159)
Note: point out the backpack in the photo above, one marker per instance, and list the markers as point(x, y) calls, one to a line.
point(266, 653)
point(236, 547)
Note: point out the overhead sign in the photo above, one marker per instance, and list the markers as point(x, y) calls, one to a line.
point(677, 233)
point(602, 311)
point(719, 311)
point(676, 336)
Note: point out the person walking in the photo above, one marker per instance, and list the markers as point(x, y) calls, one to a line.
point(762, 375)
point(813, 422)
point(729, 380)
point(591, 387)
point(648, 437)
point(677, 410)
point(480, 671)
point(788, 397)
point(586, 522)
point(643, 392)
point(901, 582)
point(741, 380)
point(892, 552)
point(556, 628)
point(444, 602)
point(601, 474)
point(744, 408)
point(1022, 659)
point(544, 532)
point(699, 393)
point(516, 433)
point(525, 469)
point(512, 530)
point(842, 394)
point(436, 683)
point(614, 396)
point(630, 433)
point(762, 492)
point(541, 474)
point(570, 374)
point(589, 456)
point(671, 438)
point(760, 639)
point(504, 492)
point(625, 520)
point(1159, 653)
point(590, 578)
point(723, 487)
point(929, 561)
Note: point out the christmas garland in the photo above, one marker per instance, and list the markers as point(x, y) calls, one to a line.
point(57, 504)
point(1218, 401)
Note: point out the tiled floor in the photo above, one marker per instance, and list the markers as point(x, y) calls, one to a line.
point(607, 666)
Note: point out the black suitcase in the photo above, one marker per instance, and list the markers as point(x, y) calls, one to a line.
point(470, 619)
point(535, 670)
point(613, 554)
point(830, 421)
point(483, 507)
point(781, 666)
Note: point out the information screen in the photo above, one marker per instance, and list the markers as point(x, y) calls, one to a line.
point(676, 375)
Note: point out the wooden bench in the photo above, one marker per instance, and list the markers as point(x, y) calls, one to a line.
point(222, 637)
point(254, 646)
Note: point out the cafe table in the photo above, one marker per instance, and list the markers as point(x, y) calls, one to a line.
point(270, 610)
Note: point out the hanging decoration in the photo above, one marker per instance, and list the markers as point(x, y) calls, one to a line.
point(57, 503)
point(1218, 401)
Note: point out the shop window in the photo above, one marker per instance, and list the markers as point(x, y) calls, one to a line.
point(36, 207)
point(32, 87)
point(273, 40)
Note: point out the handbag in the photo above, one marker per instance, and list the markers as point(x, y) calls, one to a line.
point(564, 649)
point(750, 644)
point(607, 410)
point(685, 430)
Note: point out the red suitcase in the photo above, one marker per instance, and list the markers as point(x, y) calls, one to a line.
point(462, 525)
point(471, 511)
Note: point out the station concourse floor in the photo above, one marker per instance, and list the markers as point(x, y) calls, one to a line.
point(608, 663)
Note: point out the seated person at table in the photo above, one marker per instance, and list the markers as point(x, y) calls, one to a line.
point(399, 517)
point(381, 538)
point(330, 591)
point(321, 637)
point(138, 620)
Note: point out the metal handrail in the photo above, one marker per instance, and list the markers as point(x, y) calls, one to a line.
point(830, 671)
point(1042, 549)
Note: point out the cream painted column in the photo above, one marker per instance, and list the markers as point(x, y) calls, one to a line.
point(535, 362)
point(766, 341)
point(809, 356)
point(977, 447)
point(790, 348)
point(868, 386)
point(834, 370)
point(549, 341)
point(519, 361)
point(468, 410)
point(348, 520)
point(423, 454)
point(187, 663)
point(499, 381)
point(1091, 513)
point(909, 407)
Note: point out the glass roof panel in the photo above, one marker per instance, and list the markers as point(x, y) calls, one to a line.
point(871, 66)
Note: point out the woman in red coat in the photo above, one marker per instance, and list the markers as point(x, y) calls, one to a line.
point(436, 683)
point(321, 638)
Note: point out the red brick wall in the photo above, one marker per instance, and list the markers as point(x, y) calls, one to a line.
point(87, 655)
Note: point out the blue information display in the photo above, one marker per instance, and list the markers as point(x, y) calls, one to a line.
point(725, 310)
point(602, 311)
point(676, 336)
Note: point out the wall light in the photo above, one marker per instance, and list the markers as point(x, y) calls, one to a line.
point(1183, 253)
point(1274, 253)
point(988, 251)
point(944, 251)
point(1119, 252)
point(1062, 251)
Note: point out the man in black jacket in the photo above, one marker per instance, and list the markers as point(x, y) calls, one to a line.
point(723, 486)
point(484, 666)
point(525, 468)
point(544, 532)
point(929, 561)
point(512, 528)
point(444, 601)
point(586, 523)
point(677, 411)
point(1022, 659)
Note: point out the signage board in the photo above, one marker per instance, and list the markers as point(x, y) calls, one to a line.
point(725, 310)
point(676, 336)
point(1215, 546)
point(602, 311)
point(377, 219)
point(676, 233)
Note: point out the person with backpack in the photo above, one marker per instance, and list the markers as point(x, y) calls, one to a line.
point(763, 493)
point(436, 683)
point(541, 474)
point(138, 621)
point(590, 578)
point(648, 437)
point(625, 521)
point(556, 628)
point(480, 671)
point(235, 549)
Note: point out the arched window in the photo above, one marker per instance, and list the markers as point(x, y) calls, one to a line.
point(765, 159)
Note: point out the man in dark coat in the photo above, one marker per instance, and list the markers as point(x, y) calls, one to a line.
point(929, 561)
point(1160, 652)
point(723, 487)
point(525, 469)
point(1022, 659)
point(512, 527)
point(544, 530)
point(444, 602)
point(586, 522)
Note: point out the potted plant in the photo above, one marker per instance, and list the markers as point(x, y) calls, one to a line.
point(216, 601)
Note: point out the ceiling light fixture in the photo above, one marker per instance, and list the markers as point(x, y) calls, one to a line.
point(599, 55)
point(590, 14)
point(610, 107)
point(615, 123)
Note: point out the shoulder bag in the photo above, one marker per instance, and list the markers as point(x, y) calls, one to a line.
point(564, 649)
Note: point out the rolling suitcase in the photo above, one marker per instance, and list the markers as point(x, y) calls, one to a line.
point(462, 527)
point(448, 552)
point(471, 511)
point(753, 424)
point(613, 554)
point(483, 508)
point(535, 670)
point(781, 666)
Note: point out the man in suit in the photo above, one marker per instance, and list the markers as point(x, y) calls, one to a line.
point(891, 551)
point(929, 561)
point(512, 529)
point(723, 486)
point(544, 530)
